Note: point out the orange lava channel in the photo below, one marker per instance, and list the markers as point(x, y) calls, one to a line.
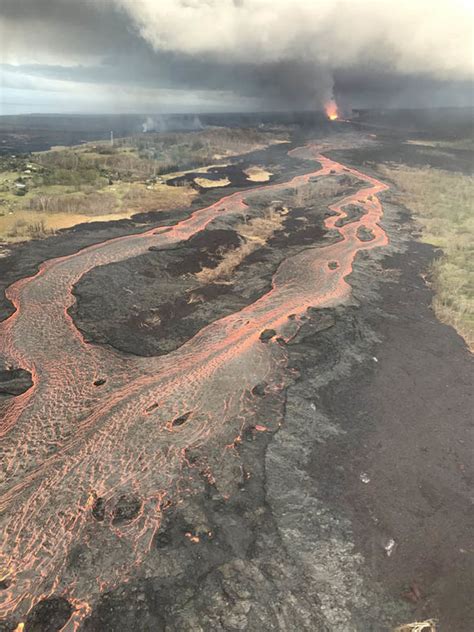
point(66, 442)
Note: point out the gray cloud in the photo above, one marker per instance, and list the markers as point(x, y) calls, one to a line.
point(249, 53)
point(62, 31)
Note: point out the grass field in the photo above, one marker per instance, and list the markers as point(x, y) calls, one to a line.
point(258, 174)
point(465, 143)
point(120, 201)
point(46, 191)
point(443, 203)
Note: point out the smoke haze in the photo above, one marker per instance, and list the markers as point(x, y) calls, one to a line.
point(202, 55)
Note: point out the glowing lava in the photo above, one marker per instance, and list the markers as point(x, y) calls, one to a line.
point(68, 444)
point(331, 110)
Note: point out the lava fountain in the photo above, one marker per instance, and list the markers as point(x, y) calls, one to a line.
point(331, 110)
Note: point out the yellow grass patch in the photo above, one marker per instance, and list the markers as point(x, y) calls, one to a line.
point(422, 143)
point(255, 233)
point(42, 215)
point(257, 174)
point(418, 626)
point(205, 183)
point(464, 143)
point(24, 225)
point(206, 169)
point(443, 202)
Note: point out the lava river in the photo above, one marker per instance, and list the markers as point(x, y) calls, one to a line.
point(68, 441)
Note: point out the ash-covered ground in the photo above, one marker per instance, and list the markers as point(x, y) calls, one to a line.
point(351, 511)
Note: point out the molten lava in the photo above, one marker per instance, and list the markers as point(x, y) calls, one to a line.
point(331, 110)
point(68, 445)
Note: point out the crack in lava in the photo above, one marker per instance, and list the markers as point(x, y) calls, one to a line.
point(67, 443)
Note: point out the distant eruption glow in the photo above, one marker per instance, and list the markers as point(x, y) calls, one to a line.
point(331, 110)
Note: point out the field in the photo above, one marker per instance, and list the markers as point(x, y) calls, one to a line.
point(442, 201)
point(46, 191)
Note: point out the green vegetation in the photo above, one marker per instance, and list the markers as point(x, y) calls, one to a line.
point(443, 202)
point(42, 192)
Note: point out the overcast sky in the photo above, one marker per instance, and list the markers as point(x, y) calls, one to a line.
point(229, 55)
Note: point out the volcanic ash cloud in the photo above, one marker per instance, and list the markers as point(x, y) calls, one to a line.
point(427, 37)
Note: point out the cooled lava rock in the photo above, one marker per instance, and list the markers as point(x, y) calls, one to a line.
point(259, 389)
point(15, 381)
point(267, 334)
point(49, 615)
point(127, 508)
point(179, 421)
point(354, 213)
point(364, 234)
point(98, 509)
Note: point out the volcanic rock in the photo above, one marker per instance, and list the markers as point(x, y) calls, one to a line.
point(98, 509)
point(15, 381)
point(259, 389)
point(364, 234)
point(49, 615)
point(126, 509)
point(267, 334)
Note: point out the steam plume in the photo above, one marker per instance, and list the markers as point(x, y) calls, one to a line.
point(287, 39)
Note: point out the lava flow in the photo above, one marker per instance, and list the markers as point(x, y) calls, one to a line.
point(98, 427)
